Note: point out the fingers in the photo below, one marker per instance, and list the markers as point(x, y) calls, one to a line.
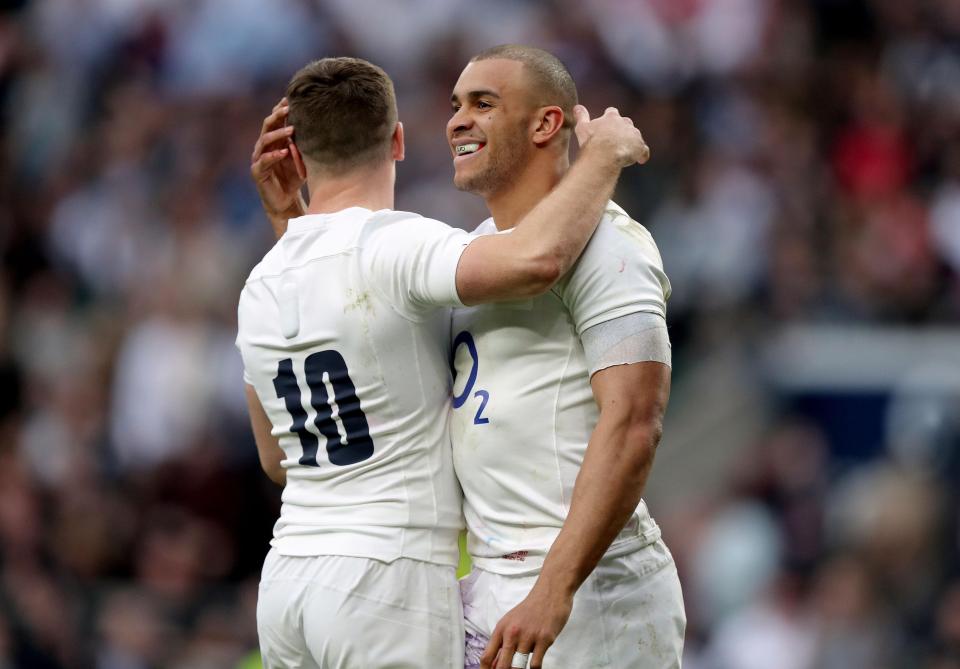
point(506, 653)
point(611, 111)
point(536, 660)
point(269, 138)
point(644, 153)
point(261, 167)
point(525, 646)
point(490, 654)
point(514, 641)
point(276, 118)
point(580, 114)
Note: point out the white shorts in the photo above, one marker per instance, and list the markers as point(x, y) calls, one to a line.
point(628, 613)
point(335, 612)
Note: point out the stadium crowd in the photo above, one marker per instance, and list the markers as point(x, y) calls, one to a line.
point(805, 172)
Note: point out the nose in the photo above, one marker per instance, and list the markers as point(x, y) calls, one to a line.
point(460, 121)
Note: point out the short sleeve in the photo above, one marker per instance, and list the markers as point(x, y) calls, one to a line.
point(619, 273)
point(414, 261)
point(239, 341)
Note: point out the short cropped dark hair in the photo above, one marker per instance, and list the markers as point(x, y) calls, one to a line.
point(550, 79)
point(343, 112)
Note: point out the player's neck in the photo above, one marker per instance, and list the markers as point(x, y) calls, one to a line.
point(371, 189)
point(509, 206)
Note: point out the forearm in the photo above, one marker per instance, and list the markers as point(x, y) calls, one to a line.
point(546, 242)
point(268, 447)
point(606, 494)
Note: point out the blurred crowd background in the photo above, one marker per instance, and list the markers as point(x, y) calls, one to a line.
point(804, 191)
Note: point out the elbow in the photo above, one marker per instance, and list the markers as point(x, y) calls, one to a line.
point(274, 469)
point(542, 274)
point(276, 474)
point(642, 439)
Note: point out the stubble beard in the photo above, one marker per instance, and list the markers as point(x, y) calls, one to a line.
point(501, 169)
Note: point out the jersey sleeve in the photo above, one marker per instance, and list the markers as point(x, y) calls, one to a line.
point(619, 273)
point(414, 262)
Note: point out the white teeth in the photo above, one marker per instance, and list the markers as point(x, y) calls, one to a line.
point(464, 149)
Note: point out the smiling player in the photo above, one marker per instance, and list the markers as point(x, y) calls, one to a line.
point(558, 406)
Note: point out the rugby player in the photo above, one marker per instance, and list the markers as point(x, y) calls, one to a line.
point(558, 407)
point(344, 331)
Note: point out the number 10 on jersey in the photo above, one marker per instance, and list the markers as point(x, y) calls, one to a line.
point(326, 373)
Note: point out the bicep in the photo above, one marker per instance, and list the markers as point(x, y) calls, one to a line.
point(635, 393)
point(268, 446)
point(496, 267)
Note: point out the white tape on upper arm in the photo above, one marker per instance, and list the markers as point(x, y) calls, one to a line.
point(639, 337)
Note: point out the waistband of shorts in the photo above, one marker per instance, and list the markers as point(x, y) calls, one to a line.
point(438, 546)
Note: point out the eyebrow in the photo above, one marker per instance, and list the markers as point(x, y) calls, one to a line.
point(474, 95)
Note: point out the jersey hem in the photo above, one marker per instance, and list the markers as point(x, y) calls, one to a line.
point(426, 545)
point(533, 560)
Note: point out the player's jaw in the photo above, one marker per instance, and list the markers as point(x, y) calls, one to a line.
point(487, 162)
point(470, 155)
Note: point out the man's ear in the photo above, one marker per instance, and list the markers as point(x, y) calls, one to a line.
point(548, 122)
point(298, 161)
point(397, 147)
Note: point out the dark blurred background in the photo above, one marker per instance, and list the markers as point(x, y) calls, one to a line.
point(804, 192)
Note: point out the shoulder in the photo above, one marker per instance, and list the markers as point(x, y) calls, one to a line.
point(619, 242)
point(617, 230)
point(270, 265)
point(620, 272)
point(403, 227)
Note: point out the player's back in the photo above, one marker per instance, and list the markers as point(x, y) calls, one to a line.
point(351, 369)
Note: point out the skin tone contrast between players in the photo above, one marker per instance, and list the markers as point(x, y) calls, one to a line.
point(560, 390)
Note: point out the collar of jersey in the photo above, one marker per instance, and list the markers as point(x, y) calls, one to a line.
point(313, 221)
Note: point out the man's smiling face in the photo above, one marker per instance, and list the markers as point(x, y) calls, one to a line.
point(489, 130)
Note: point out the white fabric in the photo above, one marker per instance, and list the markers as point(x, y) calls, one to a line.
point(628, 613)
point(524, 408)
point(340, 612)
point(625, 340)
point(367, 285)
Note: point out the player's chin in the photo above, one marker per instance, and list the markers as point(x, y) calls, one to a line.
point(465, 182)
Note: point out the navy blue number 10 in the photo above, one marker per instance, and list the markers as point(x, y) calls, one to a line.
point(357, 446)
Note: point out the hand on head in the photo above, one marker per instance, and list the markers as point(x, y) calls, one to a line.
point(611, 132)
point(272, 166)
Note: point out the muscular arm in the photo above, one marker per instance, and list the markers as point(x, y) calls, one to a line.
point(632, 400)
point(268, 448)
point(546, 242)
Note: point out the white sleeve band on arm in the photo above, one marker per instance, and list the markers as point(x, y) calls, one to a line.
point(640, 337)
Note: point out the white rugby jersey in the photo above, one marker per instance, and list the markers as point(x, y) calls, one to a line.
point(344, 331)
point(523, 406)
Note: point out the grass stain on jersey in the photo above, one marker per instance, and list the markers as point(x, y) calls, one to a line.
point(359, 301)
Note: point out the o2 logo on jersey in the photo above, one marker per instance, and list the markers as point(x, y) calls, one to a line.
point(357, 446)
point(465, 338)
